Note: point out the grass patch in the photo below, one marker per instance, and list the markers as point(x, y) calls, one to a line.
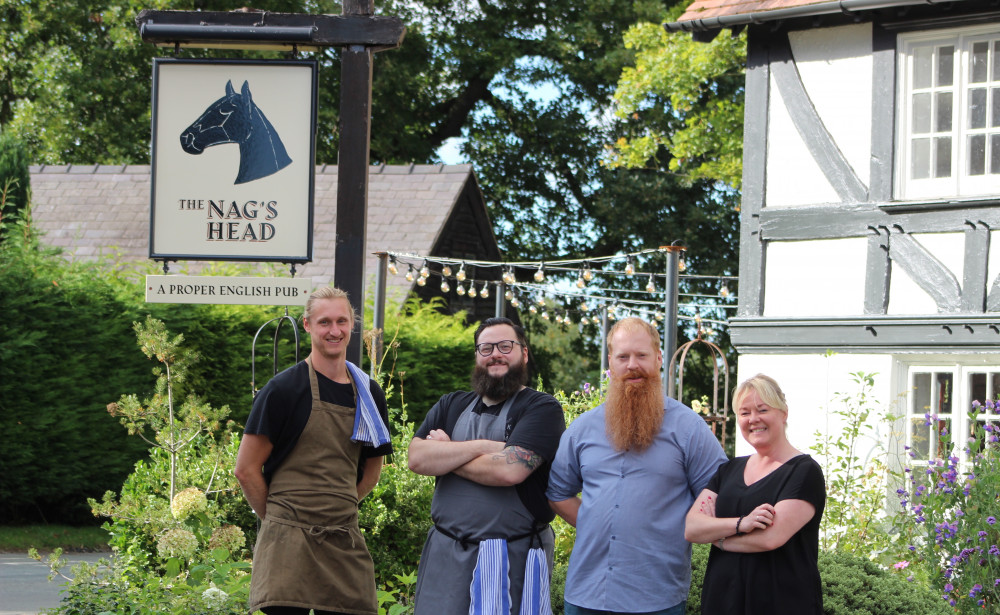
point(16, 538)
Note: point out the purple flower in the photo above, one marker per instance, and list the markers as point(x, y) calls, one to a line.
point(948, 587)
point(991, 519)
point(995, 551)
point(975, 590)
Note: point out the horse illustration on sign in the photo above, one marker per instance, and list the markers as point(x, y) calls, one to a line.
point(235, 118)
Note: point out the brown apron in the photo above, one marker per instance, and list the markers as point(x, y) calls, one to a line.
point(310, 552)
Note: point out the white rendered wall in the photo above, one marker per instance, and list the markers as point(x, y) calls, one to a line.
point(905, 296)
point(815, 278)
point(835, 66)
point(811, 383)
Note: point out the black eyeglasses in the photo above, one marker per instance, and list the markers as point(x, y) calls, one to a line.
point(486, 348)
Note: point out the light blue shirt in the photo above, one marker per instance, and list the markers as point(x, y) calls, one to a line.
point(630, 554)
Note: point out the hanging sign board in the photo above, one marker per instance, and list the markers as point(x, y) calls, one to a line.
point(233, 160)
point(227, 290)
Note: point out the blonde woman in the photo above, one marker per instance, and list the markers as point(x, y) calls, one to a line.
point(761, 513)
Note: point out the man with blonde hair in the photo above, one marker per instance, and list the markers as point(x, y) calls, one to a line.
point(639, 459)
point(312, 449)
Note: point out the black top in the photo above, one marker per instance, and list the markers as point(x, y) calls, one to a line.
point(785, 580)
point(282, 408)
point(534, 422)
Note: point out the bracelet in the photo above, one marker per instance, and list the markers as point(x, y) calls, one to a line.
point(738, 522)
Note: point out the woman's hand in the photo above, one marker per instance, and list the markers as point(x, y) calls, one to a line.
point(760, 518)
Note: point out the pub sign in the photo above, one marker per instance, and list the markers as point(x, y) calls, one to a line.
point(233, 160)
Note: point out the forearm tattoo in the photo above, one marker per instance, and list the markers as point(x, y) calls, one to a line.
point(517, 454)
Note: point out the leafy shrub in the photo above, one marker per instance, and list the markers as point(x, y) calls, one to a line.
point(15, 183)
point(853, 584)
point(949, 515)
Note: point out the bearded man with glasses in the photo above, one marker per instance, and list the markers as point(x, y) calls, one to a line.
point(490, 549)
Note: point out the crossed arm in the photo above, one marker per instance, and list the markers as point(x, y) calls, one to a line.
point(486, 462)
point(766, 528)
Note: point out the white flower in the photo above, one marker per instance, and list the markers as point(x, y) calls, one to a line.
point(214, 597)
point(188, 502)
point(228, 537)
point(177, 543)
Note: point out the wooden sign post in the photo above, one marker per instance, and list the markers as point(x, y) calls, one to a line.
point(360, 33)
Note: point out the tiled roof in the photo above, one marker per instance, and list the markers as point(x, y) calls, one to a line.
point(712, 15)
point(90, 211)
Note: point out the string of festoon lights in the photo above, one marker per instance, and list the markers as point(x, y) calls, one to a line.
point(569, 302)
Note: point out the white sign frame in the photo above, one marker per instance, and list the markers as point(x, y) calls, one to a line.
point(227, 185)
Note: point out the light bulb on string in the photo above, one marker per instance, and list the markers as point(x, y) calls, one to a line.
point(424, 270)
point(541, 300)
point(588, 275)
point(724, 291)
point(445, 287)
point(533, 309)
point(658, 316)
point(446, 271)
point(472, 290)
point(584, 307)
point(409, 273)
point(421, 281)
point(508, 276)
point(540, 274)
point(485, 291)
point(567, 320)
point(460, 276)
point(508, 295)
point(514, 302)
point(596, 320)
point(545, 315)
point(460, 289)
point(581, 283)
point(629, 267)
point(681, 265)
point(559, 318)
point(392, 265)
point(650, 285)
point(611, 314)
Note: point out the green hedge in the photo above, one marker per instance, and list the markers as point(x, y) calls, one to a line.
point(67, 350)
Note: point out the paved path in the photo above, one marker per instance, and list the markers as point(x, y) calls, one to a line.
point(24, 585)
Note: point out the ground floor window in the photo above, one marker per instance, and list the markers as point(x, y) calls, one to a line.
point(939, 398)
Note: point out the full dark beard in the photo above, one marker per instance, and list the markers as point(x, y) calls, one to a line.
point(633, 413)
point(502, 387)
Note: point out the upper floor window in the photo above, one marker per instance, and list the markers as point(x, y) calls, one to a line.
point(948, 131)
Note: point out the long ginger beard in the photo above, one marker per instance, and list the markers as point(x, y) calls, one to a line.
point(633, 412)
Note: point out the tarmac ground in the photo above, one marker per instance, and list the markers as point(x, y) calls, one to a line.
point(24, 585)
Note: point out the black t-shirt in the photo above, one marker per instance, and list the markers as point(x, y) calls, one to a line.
point(282, 408)
point(784, 581)
point(535, 422)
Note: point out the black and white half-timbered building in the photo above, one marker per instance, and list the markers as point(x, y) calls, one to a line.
point(871, 206)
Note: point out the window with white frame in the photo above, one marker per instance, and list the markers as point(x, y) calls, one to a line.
point(938, 405)
point(948, 127)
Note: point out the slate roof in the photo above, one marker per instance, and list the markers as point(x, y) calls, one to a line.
point(94, 210)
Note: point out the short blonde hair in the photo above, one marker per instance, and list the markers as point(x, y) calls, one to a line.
point(328, 292)
point(631, 324)
point(767, 390)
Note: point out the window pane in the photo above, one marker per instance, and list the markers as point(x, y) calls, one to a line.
point(945, 65)
point(977, 108)
point(944, 391)
point(942, 115)
point(943, 430)
point(977, 162)
point(977, 387)
point(995, 170)
point(922, 67)
point(920, 159)
point(919, 442)
point(942, 157)
point(922, 113)
point(921, 394)
point(996, 63)
point(980, 62)
point(995, 108)
point(995, 378)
